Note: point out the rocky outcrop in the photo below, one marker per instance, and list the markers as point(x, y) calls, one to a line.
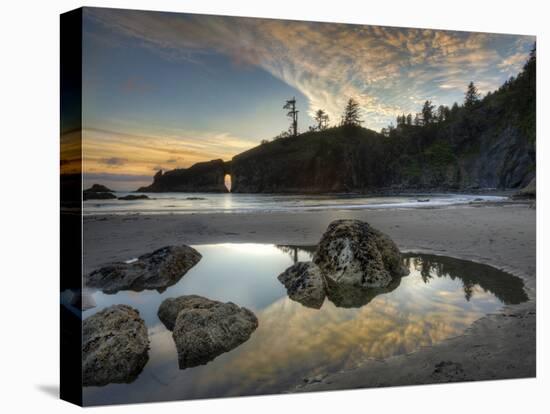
point(114, 346)
point(203, 329)
point(98, 196)
point(205, 177)
point(98, 188)
point(352, 264)
point(353, 253)
point(98, 192)
point(304, 284)
point(332, 161)
point(157, 270)
point(132, 197)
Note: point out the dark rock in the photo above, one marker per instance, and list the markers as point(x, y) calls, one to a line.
point(114, 346)
point(206, 177)
point(98, 196)
point(195, 198)
point(157, 270)
point(351, 252)
point(304, 283)
point(131, 197)
point(203, 329)
point(98, 188)
point(170, 308)
point(423, 200)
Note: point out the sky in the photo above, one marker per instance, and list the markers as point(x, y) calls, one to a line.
point(166, 90)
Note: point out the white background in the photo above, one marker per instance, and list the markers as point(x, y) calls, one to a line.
point(29, 143)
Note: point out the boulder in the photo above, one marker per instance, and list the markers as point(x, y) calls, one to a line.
point(131, 197)
point(203, 329)
point(115, 346)
point(304, 283)
point(157, 270)
point(351, 252)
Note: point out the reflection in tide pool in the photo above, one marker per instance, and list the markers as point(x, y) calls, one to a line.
point(439, 299)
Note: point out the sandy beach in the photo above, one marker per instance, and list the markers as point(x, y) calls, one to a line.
point(496, 346)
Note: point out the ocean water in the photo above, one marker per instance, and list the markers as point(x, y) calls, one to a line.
point(187, 203)
point(439, 299)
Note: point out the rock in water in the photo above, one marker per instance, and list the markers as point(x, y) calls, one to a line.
point(98, 192)
point(203, 329)
point(351, 252)
point(157, 270)
point(98, 196)
point(170, 308)
point(304, 283)
point(131, 197)
point(98, 188)
point(114, 346)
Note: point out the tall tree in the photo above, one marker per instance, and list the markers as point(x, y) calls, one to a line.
point(471, 98)
point(293, 115)
point(442, 113)
point(409, 119)
point(428, 112)
point(321, 117)
point(352, 115)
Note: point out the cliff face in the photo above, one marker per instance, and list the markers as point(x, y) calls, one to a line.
point(364, 161)
point(206, 177)
point(336, 160)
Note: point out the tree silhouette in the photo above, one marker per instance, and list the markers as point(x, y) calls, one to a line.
point(352, 115)
point(293, 115)
point(321, 117)
point(471, 98)
point(427, 112)
point(442, 113)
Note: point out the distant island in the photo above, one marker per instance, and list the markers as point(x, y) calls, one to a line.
point(486, 142)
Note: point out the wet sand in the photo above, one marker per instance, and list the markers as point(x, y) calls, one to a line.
point(496, 346)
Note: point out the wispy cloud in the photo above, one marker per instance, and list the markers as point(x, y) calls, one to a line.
point(378, 66)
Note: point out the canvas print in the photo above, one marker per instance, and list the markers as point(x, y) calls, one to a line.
point(258, 206)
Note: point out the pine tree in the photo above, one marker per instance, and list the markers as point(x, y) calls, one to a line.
point(427, 112)
point(321, 117)
point(352, 115)
point(471, 98)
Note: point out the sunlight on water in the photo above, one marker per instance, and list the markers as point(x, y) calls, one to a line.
point(439, 299)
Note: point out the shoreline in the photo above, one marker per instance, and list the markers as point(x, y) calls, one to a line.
point(503, 235)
